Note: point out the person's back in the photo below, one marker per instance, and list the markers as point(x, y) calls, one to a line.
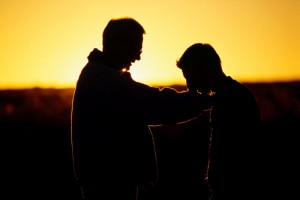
point(236, 145)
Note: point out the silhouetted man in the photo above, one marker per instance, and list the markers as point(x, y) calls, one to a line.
point(237, 143)
point(113, 150)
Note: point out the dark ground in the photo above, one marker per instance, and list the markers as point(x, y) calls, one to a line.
point(35, 136)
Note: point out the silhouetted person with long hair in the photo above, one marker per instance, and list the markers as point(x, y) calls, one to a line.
point(113, 150)
point(237, 144)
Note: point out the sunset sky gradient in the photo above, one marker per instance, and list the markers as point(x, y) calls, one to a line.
point(45, 43)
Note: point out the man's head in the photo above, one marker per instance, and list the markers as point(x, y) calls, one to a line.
point(122, 41)
point(201, 66)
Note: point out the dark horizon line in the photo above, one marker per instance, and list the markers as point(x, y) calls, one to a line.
point(154, 85)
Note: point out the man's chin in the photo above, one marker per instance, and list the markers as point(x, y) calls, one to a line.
point(126, 68)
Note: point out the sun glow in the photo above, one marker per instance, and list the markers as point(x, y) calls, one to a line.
point(42, 45)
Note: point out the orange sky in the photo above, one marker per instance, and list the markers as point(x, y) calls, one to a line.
point(44, 43)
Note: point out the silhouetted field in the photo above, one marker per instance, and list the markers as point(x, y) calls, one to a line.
point(35, 137)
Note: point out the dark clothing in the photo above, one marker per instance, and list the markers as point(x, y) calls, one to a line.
point(237, 143)
point(113, 149)
point(182, 159)
point(194, 141)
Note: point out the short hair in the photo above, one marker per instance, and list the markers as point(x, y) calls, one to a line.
point(199, 53)
point(119, 28)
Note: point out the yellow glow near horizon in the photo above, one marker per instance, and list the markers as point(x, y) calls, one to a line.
point(46, 43)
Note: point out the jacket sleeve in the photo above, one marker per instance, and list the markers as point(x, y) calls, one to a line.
point(167, 106)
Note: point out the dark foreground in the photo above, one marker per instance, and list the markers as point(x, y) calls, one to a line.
point(35, 141)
